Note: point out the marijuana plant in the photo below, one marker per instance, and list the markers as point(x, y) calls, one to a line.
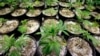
point(89, 37)
point(50, 2)
point(23, 27)
point(18, 45)
point(91, 24)
point(2, 20)
point(49, 39)
point(50, 12)
point(82, 14)
point(6, 42)
point(12, 3)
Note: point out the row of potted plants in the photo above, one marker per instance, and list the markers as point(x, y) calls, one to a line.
point(53, 37)
point(78, 8)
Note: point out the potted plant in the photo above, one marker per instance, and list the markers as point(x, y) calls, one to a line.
point(50, 43)
point(50, 12)
point(66, 13)
point(9, 6)
point(25, 3)
point(12, 3)
point(92, 27)
point(28, 26)
point(96, 15)
point(51, 3)
point(50, 21)
point(4, 10)
point(73, 27)
point(65, 4)
point(5, 43)
point(83, 14)
point(32, 12)
point(90, 5)
point(18, 12)
point(97, 3)
point(78, 4)
point(23, 6)
point(97, 46)
point(92, 38)
point(38, 4)
point(79, 47)
point(7, 26)
point(23, 46)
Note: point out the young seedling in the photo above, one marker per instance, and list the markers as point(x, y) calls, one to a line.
point(82, 14)
point(2, 20)
point(51, 2)
point(23, 27)
point(12, 3)
point(78, 4)
point(90, 5)
point(50, 12)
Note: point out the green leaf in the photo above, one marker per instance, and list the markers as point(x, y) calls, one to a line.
point(14, 52)
point(57, 48)
point(88, 36)
point(2, 20)
point(22, 28)
point(7, 42)
point(91, 24)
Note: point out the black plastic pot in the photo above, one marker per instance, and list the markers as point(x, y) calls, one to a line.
point(92, 49)
point(19, 13)
point(45, 15)
point(92, 32)
point(5, 13)
point(66, 16)
point(29, 49)
point(10, 30)
point(72, 33)
point(35, 13)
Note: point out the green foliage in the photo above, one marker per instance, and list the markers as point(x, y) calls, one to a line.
point(91, 24)
point(18, 45)
point(7, 42)
point(78, 14)
point(97, 17)
point(50, 11)
point(14, 52)
point(74, 28)
point(27, 3)
point(2, 4)
point(12, 3)
point(21, 41)
point(51, 46)
point(96, 2)
point(2, 20)
point(52, 30)
point(89, 2)
point(49, 40)
point(23, 27)
point(88, 36)
point(50, 2)
point(82, 14)
point(90, 7)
